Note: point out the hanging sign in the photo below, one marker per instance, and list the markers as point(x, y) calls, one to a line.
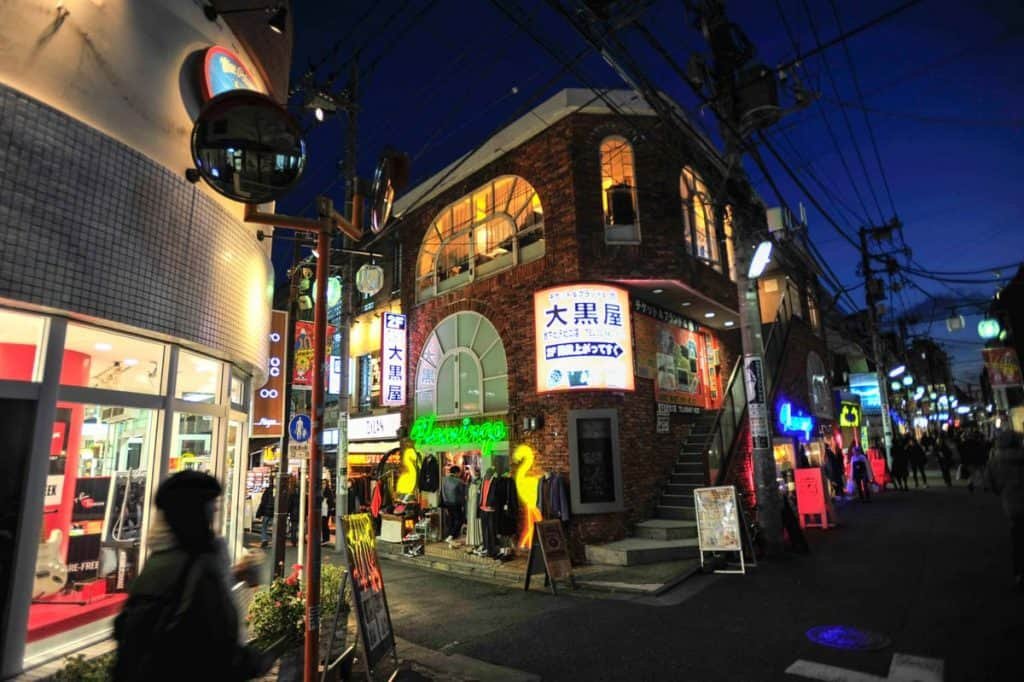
point(268, 400)
point(483, 434)
point(584, 338)
point(793, 421)
point(371, 602)
point(757, 409)
point(849, 414)
point(302, 374)
point(865, 385)
point(393, 347)
point(1003, 367)
point(223, 71)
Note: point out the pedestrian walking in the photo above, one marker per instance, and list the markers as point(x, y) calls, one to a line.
point(900, 464)
point(293, 511)
point(179, 621)
point(266, 513)
point(453, 498)
point(838, 477)
point(1005, 476)
point(860, 468)
point(944, 454)
point(917, 457)
point(977, 477)
point(327, 508)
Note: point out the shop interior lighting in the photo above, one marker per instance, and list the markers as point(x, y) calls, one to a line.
point(963, 409)
point(908, 380)
point(687, 304)
point(895, 385)
point(897, 371)
point(729, 323)
point(657, 291)
point(130, 362)
point(709, 315)
point(103, 347)
point(762, 256)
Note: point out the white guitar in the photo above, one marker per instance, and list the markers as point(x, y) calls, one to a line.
point(51, 572)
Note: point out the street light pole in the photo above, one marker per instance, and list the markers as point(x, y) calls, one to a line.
point(720, 34)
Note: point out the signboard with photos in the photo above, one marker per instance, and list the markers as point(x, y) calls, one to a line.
point(584, 338)
point(372, 613)
point(721, 525)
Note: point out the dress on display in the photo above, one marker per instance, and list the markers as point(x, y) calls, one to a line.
point(474, 529)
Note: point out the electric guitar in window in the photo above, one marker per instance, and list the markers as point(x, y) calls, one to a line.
point(51, 572)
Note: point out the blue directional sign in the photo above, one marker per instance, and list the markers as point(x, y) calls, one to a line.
point(299, 428)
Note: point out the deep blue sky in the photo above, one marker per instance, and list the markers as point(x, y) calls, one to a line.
point(941, 80)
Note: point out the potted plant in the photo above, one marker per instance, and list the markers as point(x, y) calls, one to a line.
point(276, 621)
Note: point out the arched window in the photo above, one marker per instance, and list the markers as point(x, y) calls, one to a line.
point(699, 219)
point(493, 228)
point(618, 192)
point(462, 369)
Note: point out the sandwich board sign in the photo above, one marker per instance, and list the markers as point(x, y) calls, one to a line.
point(721, 525)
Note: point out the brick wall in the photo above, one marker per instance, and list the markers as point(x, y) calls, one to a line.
point(93, 227)
point(575, 250)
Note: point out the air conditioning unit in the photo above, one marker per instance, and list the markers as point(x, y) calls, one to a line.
point(780, 220)
point(109, 415)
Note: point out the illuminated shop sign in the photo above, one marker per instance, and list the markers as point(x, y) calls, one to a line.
point(584, 338)
point(865, 384)
point(224, 71)
point(393, 347)
point(268, 399)
point(663, 315)
point(849, 414)
point(377, 427)
point(794, 421)
point(483, 434)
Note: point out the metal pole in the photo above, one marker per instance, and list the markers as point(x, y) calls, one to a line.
point(719, 33)
point(312, 568)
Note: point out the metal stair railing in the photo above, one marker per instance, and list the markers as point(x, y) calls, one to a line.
point(721, 442)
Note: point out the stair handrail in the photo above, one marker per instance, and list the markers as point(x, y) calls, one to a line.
point(782, 319)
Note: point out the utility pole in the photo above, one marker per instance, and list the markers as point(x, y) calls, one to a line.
point(729, 57)
point(873, 292)
point(351, 180)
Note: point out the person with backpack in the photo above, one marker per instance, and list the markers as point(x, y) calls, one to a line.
point(861, 471)
point(179, 621)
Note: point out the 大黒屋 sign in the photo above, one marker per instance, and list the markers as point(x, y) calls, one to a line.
point(393, 359)
point(584, 338)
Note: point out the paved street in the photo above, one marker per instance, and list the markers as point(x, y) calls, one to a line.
point(928, 569)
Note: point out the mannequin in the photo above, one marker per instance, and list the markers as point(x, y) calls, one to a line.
point(487, 512)
point(474, 527)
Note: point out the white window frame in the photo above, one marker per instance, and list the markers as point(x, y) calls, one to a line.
point(617, 235)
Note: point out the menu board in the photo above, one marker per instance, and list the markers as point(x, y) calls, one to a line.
point(368, 587)
point(718, 519)
point(595, 460)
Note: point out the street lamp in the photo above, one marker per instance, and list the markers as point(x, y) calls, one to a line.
point(762, 256)
point(897, 371)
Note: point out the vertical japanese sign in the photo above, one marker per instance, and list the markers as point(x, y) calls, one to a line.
point(302, 375)
point(584, 338)
point(393, 346)
point(268, 399)
point(1003, 367)
point(757, 408)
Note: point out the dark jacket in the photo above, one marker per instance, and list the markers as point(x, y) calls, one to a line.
point(205, 643)
point(503, 500)
point(430, 475)
point(453, 491)
point(266, 508)
point(552, 498)
point(1005, 474)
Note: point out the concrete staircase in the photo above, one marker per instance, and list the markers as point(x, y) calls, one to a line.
point(672, 534)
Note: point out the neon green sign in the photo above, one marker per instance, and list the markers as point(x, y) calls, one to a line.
point(485, 434)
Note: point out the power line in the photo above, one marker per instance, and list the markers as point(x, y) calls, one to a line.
point(979, 271)
point(860, 98)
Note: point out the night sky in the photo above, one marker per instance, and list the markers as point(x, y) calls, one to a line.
point(940, 84)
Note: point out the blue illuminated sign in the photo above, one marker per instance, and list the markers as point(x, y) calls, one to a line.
point(795, 423)
point(865, 384)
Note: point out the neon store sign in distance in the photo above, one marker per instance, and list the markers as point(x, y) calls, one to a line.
point(795, 423)
point(484, 434)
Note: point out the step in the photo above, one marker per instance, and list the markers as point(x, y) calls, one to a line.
point(682, 488)
point(671, 500)
point(693, 478)
point(634, 551)
point(666, 529)
point(688, 468)
point(663, 511)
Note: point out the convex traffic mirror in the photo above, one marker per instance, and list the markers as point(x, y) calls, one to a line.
point(247, 147)
point(391, 176)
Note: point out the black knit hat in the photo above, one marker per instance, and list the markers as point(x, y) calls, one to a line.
point(187, 487)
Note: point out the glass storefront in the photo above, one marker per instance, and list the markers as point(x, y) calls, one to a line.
point(107, 448)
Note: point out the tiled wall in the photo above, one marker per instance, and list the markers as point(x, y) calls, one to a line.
point(91, 226)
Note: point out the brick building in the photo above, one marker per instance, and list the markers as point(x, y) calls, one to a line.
point(575, 195)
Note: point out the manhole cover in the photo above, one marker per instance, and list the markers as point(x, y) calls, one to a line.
point(847, 637)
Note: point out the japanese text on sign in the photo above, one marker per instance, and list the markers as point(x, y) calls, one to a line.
point(584, 338)
point(393, 359)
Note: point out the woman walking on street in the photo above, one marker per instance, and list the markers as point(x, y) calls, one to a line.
point(900, 465)
point(1005, 476)
point(861, 471)
point(945, 456)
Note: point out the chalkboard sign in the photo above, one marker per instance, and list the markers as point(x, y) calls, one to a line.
point(368, 588)
point(595, 479)
point(549, 553)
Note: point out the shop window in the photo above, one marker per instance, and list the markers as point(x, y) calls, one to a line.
point(100, 359)
point(494, 228)
point(198, 378)
point(699, 219)
point(239, 391)
point(97, 497)
point(812, 313)
point(22, 343)
point(618, 192)
point(818, 386)
point(193, 443)
point(231, 517)
point(463, 369)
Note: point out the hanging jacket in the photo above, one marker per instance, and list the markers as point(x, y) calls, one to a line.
point(503, 499)
point(429, 477)
point(552, 499)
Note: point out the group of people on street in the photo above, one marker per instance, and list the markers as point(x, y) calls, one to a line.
point(861, 475)
point(265, 511)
